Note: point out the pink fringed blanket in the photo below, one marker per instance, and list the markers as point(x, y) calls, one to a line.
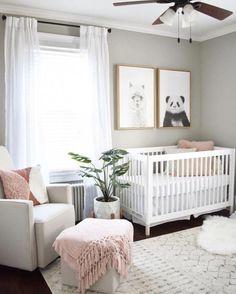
point(93, 245)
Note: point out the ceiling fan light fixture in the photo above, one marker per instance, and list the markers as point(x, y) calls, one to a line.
point(190, 15)
point(168, 17)
point(185, 24)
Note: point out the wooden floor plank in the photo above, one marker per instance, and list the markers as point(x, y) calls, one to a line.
point(14, 281)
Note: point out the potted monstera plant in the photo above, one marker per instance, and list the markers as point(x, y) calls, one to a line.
point(106, 178)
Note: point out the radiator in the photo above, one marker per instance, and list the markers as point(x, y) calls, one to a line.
point(83, 196)
point(78, 200)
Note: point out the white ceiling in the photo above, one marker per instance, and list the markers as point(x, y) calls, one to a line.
point(135, 17)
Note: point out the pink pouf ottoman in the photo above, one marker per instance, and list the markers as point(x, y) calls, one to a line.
point(95, 254)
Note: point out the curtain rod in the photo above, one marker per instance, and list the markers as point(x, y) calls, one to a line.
point(57, 23)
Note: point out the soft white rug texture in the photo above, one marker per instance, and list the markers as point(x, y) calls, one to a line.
point(169, 264)
point(218, 235)
point(233, 215)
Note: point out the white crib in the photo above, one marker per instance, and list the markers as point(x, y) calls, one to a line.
point(166, 187)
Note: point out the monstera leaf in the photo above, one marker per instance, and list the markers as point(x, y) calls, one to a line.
point(113, 167)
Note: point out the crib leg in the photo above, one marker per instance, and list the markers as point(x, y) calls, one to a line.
point(92, 214)
point(231, 209)
point(147, 231)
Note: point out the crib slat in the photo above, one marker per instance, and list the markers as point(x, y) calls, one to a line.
point(162, 188)
point(187, 182)
point(129, 193)
point(135, 190)
point(205, 181)
point(174, 198)
point(156, 189)
point(182, 184)
point(218, 179)
point(214, 180)
point(226, 175)
point(222, 185)
point(210, 193)
point(197, 194)
point(138, 189)
point(167, 191)
point(137, 186)
point(141, 188)
point(201, 185)
point(177, 195)
point(192, 183)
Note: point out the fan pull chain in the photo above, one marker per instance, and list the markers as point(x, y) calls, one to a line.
point(190, 33)
point(178, 28)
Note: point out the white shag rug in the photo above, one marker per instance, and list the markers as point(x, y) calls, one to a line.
point(218, 235)
point(168, 264)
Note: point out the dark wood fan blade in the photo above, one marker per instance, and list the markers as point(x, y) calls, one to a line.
point(211, 10)
point(141, 2)
point(157, 21)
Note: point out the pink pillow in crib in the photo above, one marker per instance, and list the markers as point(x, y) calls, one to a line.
point(199, 145)
point(14, 186)
point(184, 144)
point(203, 145)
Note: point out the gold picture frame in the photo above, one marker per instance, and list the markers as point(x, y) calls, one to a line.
point(136, 97)
point(174, 98)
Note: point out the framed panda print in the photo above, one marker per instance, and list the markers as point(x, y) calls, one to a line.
point(136, 97)
point(173, 98)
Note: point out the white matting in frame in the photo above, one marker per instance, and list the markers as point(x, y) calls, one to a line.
point(135, 97)
point(174, 98)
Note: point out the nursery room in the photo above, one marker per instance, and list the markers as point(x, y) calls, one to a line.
point(117, 147)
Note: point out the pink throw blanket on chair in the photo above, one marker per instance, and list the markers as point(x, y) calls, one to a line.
point(93, 245)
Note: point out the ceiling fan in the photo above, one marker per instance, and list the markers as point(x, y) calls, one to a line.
point(188, 7)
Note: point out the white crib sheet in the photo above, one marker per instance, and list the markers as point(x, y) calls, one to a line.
point(187, 184)
point(164, 185)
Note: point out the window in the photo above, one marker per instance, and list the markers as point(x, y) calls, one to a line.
point(63, 101)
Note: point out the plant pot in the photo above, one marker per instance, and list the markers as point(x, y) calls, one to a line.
point(107, 209)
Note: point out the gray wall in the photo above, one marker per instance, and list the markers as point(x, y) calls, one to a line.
point(2, 90)
point(138, 49)
point(218, 75)
point(132, 48)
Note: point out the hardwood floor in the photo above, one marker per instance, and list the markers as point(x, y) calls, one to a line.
point(14, 281)
point(171, 227)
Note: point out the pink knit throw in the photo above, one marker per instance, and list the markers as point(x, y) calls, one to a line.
point(93, 245)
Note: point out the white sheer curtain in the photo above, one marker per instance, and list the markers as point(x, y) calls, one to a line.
point(93, 41)
point(21, 47)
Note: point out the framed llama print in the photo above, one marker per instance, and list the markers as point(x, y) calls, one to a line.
point(135, 97)
point(173, 98)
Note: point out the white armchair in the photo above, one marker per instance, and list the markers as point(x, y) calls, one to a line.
point(27, 232)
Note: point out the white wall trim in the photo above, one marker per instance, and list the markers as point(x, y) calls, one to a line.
point(217, 33)
point(82, 19)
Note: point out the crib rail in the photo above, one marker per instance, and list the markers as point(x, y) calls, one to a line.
point(167, 186)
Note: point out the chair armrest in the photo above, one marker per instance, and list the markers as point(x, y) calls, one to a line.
point(60, 193)
point(17, 241)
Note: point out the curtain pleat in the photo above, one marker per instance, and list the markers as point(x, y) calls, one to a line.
point(21, 50)
point(93, 41)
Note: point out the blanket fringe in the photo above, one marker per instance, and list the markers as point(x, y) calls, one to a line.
point(112, 251)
